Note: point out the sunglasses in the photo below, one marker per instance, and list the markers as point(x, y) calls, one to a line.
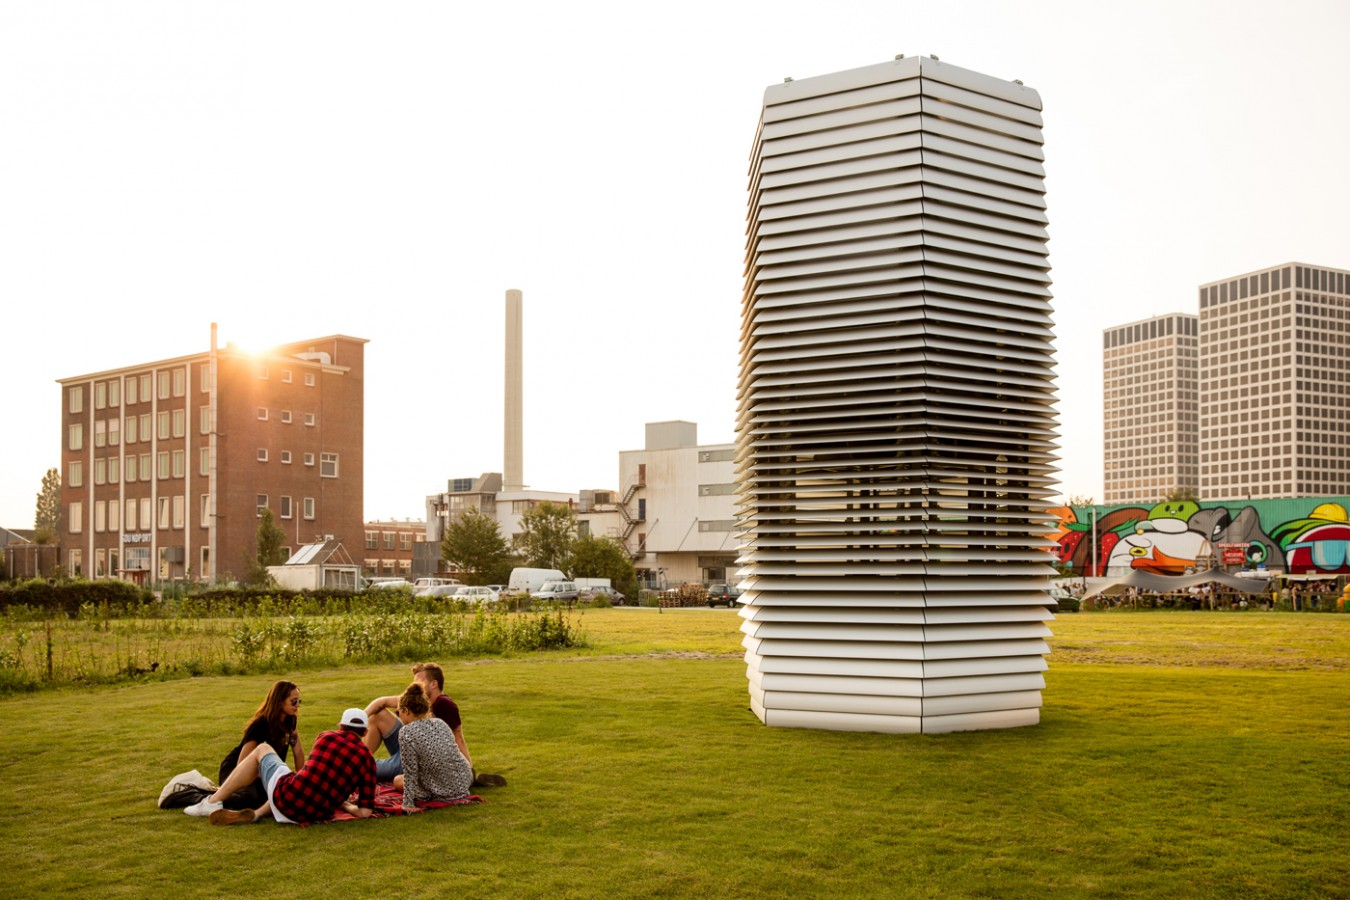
point(297, 701)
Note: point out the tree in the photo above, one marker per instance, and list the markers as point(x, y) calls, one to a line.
point(474, 545)
point(1076, 501)
point(604, 557)
point(1181, 494)
point(267, 542)
point(547, 533)
point(47, 521)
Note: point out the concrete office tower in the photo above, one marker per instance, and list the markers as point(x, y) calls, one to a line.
point(895, 431)
point(1274, 351)
point(513, 420)
point(1150, 403)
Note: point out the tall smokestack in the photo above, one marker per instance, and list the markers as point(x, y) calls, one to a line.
point(513, 449)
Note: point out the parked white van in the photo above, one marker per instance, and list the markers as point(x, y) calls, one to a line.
point(531, 580)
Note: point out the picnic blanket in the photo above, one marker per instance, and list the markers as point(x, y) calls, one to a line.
point(389, 802)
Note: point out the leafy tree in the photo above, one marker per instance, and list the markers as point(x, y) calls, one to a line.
point(47, 521)
point(547, 533)
point(267, 541)
point(1181, 494)
point(474, 545)
point(1077, 501)
point(604, 557)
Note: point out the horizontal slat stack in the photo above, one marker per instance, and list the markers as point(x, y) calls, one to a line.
point(895, 426)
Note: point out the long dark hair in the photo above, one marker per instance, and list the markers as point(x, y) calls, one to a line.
point(273, 709)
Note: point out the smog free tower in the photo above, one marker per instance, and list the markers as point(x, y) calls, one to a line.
point(895, 431)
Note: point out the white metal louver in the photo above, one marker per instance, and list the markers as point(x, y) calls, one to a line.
point(895, 431)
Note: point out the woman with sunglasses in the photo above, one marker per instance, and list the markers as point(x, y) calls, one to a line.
point(433, 767)
point(274, 723)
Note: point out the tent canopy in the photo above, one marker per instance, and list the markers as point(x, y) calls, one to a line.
point(1168, 584)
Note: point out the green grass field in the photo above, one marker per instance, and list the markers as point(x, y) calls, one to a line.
point(1179, 755)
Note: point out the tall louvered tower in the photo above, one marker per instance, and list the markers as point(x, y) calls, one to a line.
point(895, 427)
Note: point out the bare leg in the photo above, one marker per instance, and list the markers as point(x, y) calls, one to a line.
point(243, 774)
point(382, 722)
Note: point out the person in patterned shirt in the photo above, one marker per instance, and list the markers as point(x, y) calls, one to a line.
point(338, 765)
point(433, 767)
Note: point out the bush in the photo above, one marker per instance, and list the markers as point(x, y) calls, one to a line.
point(108, 596)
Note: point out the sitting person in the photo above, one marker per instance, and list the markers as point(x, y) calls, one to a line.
point(275, 723)
point(433, 766)
point(384, 726)
point(338, 765)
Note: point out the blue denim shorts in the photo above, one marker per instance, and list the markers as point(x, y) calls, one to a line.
point(270, 769)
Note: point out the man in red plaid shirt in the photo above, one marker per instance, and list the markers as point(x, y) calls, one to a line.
point(338, 765)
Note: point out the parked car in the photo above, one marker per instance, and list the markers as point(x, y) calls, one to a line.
point(556, 590)
point(385, 584)
point(615, 597)
point(722, 595)
point(476, 594)
point(439, 590)
point(436, 581)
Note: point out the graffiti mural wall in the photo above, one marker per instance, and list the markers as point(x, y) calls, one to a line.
point(1297, 536)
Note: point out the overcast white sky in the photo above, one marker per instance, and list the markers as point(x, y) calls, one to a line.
point(388, 170)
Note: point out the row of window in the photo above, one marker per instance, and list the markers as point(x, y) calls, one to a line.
point(139, 389)
point(285, 506)
point(173, 464)
point(404, 539)
point(285, 376)
point(134, 515)
point(328, 462)
point(285, 416)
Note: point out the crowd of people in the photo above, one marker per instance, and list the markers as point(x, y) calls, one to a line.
point(420, 730)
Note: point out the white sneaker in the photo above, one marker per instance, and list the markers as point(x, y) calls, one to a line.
point(203, 808)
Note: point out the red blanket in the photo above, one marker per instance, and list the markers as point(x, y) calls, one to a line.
point(389, 802)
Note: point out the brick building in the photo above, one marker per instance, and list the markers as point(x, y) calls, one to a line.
point(389, 547)
point(167, 465)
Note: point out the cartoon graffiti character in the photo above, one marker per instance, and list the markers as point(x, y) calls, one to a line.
point(1319, 544)
point(1075, 543)
point(1218, 526)
point(1161, 544)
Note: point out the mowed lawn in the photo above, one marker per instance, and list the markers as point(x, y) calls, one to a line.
point(1179, 754)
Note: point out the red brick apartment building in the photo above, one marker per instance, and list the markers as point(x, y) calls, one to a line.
point(389, 547)
point(166, 466)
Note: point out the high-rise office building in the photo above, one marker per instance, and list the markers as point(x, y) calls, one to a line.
point(168, 465)
point(1274, 352)
point(1258, 387)
point(1150, 406)
point(895, 429)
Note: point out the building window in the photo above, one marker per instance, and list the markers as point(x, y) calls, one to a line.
point(285, 507)
point(100, 433)
point(131, 389)
point(114, 515)
point(100, 515)
point(285, 417)
point(131, 425)
point(146, 521)
point(389, 540)
point(114, 470)
point(164, 425)
point(206, 510)
point(262, 414)
point(100, 471)
point(262, 454)
point(75, 473)
point(146, 434)
point(309, 459)
point(204, 377)
point(77, 398)
point(164, 389)
point(204, 416)
point(179, 384)
point(372, 540)
point(328, 465)
point(114, 432)
point(285, 457)
point(405, 540)
point(179, 463)
point(286, 376)
point(179, 422)
point(179, 510)
point(309, 507)
point(131, 469)
point(164, 510)
point(261, 504)
point(204, 461)
point(76, 520)
point(309, 418)
point(147, 388)
point(77, 436)
point(115, 392)
point(75, 562)
point(309, 379)
point(100, 395)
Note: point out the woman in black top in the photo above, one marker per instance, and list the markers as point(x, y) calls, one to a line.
point(274, 722)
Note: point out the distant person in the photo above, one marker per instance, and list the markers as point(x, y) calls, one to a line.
point(385, 726)
point(433, 767)
point(275, 722)
point(338, 766)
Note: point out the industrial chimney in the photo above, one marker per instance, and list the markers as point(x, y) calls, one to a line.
point(513, 420)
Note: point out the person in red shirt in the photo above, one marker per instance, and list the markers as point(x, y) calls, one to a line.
point(338, 765)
